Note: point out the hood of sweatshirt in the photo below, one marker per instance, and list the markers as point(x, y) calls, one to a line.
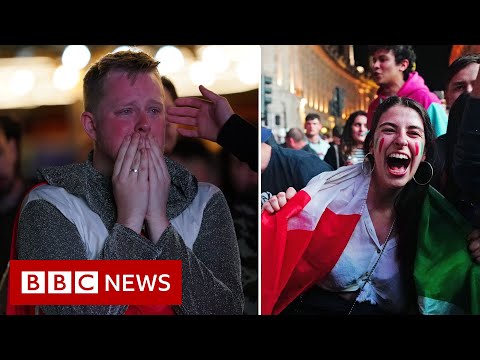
point(416, 89)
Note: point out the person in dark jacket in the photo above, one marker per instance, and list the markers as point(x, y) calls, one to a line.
point(333, 156)
point(466, 165)
point(456, 167)
point(12, 188)
point(283, 168)
point(295, 139)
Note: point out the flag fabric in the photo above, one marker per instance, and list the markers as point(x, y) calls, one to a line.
point(319, 219)
point(447, 280)
point(303, 241)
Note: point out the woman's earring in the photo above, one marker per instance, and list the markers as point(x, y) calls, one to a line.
point(371, 164)
point(430, 169)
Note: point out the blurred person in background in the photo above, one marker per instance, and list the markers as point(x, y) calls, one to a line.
point(171, 135)
point(12, 189)
point(240, 185)
point(393, 69)
point(333, 156)
point(466, 164)
point(461, 80)
point(312, 131)
point(295, 139)
point(461, 76)
point(337, 132)
point(196, 158)
point(353, 138)
point(282, 168)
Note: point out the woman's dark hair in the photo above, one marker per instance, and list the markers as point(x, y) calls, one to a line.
point(401, 52)
point(408, 203)
point(348, 143)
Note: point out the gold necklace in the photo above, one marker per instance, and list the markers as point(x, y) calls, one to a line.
point(373, 268)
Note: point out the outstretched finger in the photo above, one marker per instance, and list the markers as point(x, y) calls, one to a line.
point(182, 111)
point(187, 132)
point(190, 101)
point(210, 95)
point(182, 120)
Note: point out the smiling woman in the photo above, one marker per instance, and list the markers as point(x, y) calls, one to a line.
point(355, 238)
point(398, 138)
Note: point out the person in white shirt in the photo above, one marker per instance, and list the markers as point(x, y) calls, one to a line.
point(312, 131)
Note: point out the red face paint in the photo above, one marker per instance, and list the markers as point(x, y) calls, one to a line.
point(416, 149)
point(381, 145)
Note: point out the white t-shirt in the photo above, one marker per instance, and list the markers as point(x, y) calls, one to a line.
point(358, 258)
point(320, 148)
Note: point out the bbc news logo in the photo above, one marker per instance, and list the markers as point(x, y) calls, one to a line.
point(95, 282)
point(59, 282)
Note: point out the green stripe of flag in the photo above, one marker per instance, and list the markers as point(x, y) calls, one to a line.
point(447, 280)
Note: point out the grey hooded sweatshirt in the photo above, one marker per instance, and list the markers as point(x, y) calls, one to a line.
point(73, 218)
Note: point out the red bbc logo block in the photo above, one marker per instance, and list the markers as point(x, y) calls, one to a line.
point(95, 282)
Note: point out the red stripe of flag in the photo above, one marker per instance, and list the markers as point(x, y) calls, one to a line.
point(293, 261)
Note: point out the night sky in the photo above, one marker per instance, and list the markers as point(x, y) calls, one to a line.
point(432, 62)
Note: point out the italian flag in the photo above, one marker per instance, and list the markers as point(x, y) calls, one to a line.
point(304, 240)
point(447, 280)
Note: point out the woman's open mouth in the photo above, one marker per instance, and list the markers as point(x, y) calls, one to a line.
point(398, 164)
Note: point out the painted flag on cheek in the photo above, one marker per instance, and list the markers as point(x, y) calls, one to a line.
point(447, 280)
